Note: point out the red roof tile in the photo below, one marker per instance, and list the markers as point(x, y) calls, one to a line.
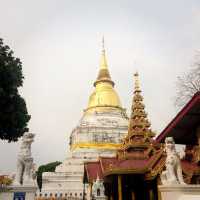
point(93, 169)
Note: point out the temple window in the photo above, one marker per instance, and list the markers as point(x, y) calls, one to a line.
point(80, 194)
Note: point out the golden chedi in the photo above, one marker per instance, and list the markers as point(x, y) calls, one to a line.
point(104, 122)
point(104, 96)
point(100, 132)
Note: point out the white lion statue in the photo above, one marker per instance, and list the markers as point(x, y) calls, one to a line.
point(173, 173)
point(24, 175)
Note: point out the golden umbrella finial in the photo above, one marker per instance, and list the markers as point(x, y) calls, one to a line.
point(103, 61)
point(137, 82)
point(103, 44)
point(103, 75)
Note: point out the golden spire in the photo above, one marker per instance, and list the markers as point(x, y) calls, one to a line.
point(104, 75)
point(138, 124)
point(137, 144)
point(137, 82)
point(104, 96)
point(103, 61)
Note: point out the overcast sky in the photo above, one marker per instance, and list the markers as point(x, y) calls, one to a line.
point(59, 43)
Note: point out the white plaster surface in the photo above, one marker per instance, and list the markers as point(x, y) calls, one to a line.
point(102, 127)
point(189, 197)
point(180, 192)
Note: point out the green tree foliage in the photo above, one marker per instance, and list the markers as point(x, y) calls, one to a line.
point(13, 112)
point(50, 167)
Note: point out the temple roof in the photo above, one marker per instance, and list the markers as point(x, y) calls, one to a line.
point(111, 166)
point(130, 166)
point(106, 166)
point(92, 170)
point(183, 127)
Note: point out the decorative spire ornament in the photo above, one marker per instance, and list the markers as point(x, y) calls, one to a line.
point(103, 45)
point(104, 96)
point(103, 75)
point(139, 123)
point(139, 131)
point(103, 61)
point(138, 142)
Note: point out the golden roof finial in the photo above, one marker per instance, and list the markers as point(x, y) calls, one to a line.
point(103, 44)
point(103, 61)
point(137, 82)
point(104, 75)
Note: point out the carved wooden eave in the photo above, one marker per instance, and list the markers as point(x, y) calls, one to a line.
point(150, 168)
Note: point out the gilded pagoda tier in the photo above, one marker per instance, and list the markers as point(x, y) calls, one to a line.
point(139, 125)
point(103, 97)
point(137, 143)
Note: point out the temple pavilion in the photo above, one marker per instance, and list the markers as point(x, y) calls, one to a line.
point(133, 173)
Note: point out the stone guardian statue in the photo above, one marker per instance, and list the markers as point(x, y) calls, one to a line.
point(173, 173)
point(24, 175)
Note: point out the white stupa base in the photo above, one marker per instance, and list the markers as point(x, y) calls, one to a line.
point(7, 193)
point(101, 198)
point(180, 192)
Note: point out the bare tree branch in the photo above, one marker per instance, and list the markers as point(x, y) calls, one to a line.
point(188, 84)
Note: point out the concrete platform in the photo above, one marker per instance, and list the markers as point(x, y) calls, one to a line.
point(180, 192)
